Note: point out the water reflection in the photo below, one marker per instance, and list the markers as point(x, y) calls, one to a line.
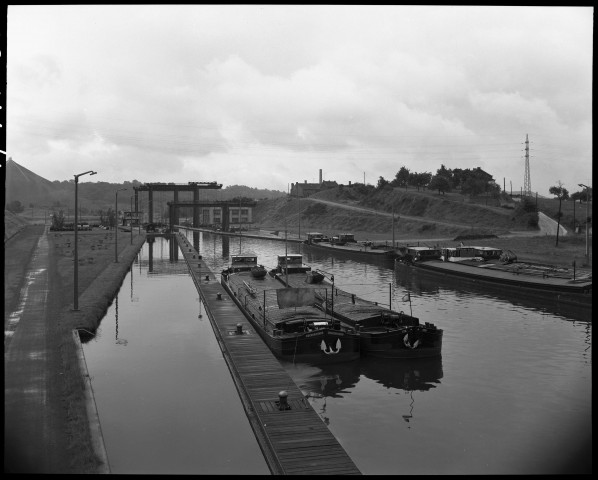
point(325, 381)
point(429, 283)
point(119, 341)
point(422, 374)
point(319, 384)
point(337, 379)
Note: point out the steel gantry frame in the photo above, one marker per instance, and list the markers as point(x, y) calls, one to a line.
point(194, 187)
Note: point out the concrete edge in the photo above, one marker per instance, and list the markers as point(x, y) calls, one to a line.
point(97, 438)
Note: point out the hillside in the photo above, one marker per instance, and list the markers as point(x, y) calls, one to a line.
point(417, 215)
point(34, 191)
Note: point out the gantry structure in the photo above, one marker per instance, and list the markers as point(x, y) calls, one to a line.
point(194, 187)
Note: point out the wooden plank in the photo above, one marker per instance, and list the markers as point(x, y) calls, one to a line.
point(294, 441)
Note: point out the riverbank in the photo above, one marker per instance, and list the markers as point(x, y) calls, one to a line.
point(529, 247)
point(63, 441)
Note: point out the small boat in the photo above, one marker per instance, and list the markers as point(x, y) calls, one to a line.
point(315, 237)
point(383, 332)
point(288, 320)
point(259, 271)
point(314, 276)
point(383, 252)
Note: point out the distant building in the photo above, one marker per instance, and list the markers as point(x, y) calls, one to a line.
point(306, 189)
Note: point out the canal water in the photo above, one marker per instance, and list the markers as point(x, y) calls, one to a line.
point(165, 397)
point(511, 393)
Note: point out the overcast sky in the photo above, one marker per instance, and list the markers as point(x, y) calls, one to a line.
point(266, 96)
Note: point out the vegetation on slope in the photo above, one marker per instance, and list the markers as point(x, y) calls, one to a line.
point(417, 214)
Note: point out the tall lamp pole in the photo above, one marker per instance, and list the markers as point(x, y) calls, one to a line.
point(587, 217)
point(116, 224)
point(131, 219)
point(76, 276)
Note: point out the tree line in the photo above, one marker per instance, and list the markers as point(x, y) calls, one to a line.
point(469, 181)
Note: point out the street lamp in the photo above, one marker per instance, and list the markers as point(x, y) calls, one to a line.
point(131, 219)
point(587, 217)
point(116, 224)
point(76, 277)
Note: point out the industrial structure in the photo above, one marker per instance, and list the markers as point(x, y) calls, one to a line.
point(527, 183)
point(224, 214)
point(227, 214)
point(305, 189)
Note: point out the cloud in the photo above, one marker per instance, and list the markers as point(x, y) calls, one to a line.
point(267, 95)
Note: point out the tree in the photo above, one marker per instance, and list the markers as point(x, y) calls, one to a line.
point(15, 207)
point(473, 186)
point(111, 217)
point(382, 182)
point(445, 172)
point(401, 178)
point(459, 176)
point(560, 192)
point(58, 220)
point(440, 183)
point(420, 180)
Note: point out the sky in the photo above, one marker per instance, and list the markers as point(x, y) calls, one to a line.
point(269, 95)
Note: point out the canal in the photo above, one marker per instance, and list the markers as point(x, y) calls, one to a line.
point(511, 393)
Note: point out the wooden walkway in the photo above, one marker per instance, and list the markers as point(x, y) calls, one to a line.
point(294, 441)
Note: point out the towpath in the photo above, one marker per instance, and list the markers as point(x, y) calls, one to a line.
point(34, 439)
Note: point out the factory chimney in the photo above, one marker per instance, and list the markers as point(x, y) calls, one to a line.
point(320, 176)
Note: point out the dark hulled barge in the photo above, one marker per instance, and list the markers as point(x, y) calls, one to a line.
point(382, 332)
point(287, 320)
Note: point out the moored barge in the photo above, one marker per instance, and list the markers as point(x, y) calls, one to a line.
point(287, 320)
point(383, 332)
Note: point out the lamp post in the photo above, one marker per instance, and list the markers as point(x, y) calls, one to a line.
point(587, 217)
point(131, 219)
point(116, 224)
point(76, 276)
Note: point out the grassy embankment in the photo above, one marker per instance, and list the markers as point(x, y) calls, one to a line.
point(99, 278)
point(440, 219)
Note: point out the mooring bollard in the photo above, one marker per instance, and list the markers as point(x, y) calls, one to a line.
point(282, 402)
point(207, 277)
point(219, 296)
point(239, 328)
